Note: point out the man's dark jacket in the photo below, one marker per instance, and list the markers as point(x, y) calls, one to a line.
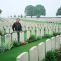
point(17, 27)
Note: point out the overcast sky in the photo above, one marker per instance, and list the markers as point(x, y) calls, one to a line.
point(17, 7)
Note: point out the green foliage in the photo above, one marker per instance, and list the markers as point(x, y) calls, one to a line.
point(50, 56)
point(32, 38)
point(53, 56)
point(40, 10)
point(55, 34)
point(58, 11)
point(16, 44)
point(35, 11)
point(47, 36)
point(29, 10)
point(58, 55)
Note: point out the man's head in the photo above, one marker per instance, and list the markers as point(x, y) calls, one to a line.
point(17, 20)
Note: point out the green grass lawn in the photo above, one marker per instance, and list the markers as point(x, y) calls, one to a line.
point(13, 53)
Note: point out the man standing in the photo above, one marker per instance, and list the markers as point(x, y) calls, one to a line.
point(17, 27)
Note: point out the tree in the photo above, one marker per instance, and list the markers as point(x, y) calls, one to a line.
point(0, 11)
point(29, 10)
point(58, 11)
point(35, 11)
point(40, 10)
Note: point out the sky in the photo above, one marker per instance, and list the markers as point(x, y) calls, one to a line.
point(17, 7)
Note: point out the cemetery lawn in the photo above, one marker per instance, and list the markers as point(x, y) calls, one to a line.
point(13, 53)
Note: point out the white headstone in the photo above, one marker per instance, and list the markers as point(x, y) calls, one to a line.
point(14, 37)
point(53, 45)
point(50, 31)
point(22, 57)
point(48, 45)
point(21, 36)
point(33, 32)
point(33, 54)
point(41, 51)
point(8, 41)
point(57, 42)
point(38, 32)
point(56, 28)
point(46, 30)
point(7, 29)
point(11, 30)
point(28, 34)
point(42, 31)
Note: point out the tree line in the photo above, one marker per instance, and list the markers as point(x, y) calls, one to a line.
point(35, 10)
point(38, 10)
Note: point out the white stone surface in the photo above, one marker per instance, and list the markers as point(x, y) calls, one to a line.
point(50, 31)
point(14, 37)
point(33, 54)
point(22, 57)
point(53, 45)
point(28, 34)
point(48, 45)
point(38, 32)
point(8, 41)
point(33, 32)
point(57, 42)
point(21, 36)
point(41, 51)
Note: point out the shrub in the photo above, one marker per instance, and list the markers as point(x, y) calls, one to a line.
point(58, 55)
point(50, 56)
point(39, 38)
point(53, 56)
point(16, 44)
point(55, 34)
point(47, 36)
point(32, 39)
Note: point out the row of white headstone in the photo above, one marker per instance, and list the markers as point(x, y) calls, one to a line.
point(9, 38)
point(37, 53)
point(49, 26)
